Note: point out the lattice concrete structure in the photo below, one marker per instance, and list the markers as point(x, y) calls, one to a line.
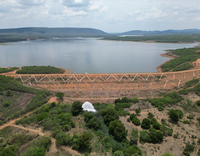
point(109, 85)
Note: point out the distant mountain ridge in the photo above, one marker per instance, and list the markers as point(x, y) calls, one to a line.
point(165, 32)
point(55, 32)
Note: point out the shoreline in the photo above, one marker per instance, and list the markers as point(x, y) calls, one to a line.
point(166, 54)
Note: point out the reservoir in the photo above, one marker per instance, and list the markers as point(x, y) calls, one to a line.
point(82, 55)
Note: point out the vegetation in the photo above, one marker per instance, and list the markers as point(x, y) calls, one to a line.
point(127, 100)
point(60, 95)
point(175, 115)
point(168, 99)
point(76, 108)
point(192, 82)
point(6, 70)
point(184, 60)
point(40, 70)
point(158, 38)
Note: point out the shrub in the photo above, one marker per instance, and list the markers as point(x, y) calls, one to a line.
point(198, 119)
point(197, 103)
point(167, 154)
point(183, 91)
point(117, 129)
point(109, 115)
point(128, 120)
point(143, 136)
point(155, 137)
point(118, 153)
point(62, 139)
point(188, 149)
point(198, 141)
point(136, 121)
point(175, 115)
point(42, 116)
point(135, 100)
point(192, 82)
point(134, 137)
point(84, 140)
point(6, 104)
point(186, 122)
point(138, 111)
point(190, 116)
point(76, 108)
point(132, 116)
point(166, 131)
point(132, 150)
point(9, 93)
point(160, 108)
point(150, 115)
point(146, 123)
point(60, 95)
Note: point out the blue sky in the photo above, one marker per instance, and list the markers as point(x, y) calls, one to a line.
point(107, 15)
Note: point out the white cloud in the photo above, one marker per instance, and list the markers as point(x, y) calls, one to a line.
point(154, 13)
point(31, 2)
point(70, 12)
point(76, 3)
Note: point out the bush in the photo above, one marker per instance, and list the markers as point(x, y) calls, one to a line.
point(166, 131)
point(84, 140)
point(190, 116)
point(62, 139)
point(155, 137)
point(6, 104)
point(117, 129)
point(143, 136)
point(76, 108)
point(132, 150)
point(160, 108)
point(150, 115)
point(128, 120)
point(9, 93)
point(192, 82)
point(175, 115)
point(188, 149)
point(183, 91)
point(132, 116)
point(146, 123)
point(167, 154)
point(109, 115)
point(198, 141)
point(138, 111)
point(118, 153)
point(136, 121)
point(134, 137)
point(60, 95)
point(197, 103)
point(186, 122)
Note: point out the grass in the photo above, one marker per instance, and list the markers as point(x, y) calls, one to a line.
point(40, 70)
point(6, 70)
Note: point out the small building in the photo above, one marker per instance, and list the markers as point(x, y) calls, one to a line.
point(196, 63)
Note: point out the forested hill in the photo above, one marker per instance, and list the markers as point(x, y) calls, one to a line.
point(165, 32)
point(54, 32)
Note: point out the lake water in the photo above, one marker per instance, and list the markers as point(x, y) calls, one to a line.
point(87, 55)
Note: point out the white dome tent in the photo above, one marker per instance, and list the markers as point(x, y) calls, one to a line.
point(87, 106)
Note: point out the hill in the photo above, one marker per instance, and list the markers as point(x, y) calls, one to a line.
point(67, 32)
point(165, 32)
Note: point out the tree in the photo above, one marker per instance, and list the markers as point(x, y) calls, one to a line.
point(138, 111)
point(109, 115)
point(155, 137)
point(117, 129)
point(175, 115)
point(136, 121)
point(155, 123)
point(84, 140)
point(132, 116)
point(76, 108)
point(60, 95)
point(146, 123)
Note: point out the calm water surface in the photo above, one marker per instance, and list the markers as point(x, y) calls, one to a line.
point(87, 55)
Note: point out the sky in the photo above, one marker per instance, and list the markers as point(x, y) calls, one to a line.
point(107, 15)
